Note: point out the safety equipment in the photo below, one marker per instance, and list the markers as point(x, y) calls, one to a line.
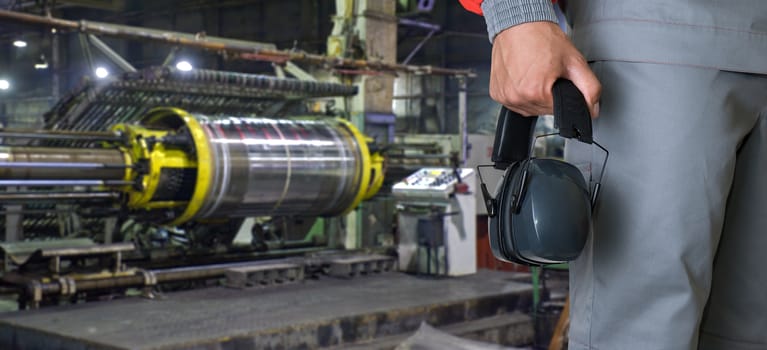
point(541, 212)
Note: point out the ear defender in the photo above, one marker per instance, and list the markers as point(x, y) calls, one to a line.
point(542, 211)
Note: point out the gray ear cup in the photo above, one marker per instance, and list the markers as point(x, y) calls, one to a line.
point(546, 219)
point(554, 217)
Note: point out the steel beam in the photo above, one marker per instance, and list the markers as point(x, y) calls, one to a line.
point(236, 48)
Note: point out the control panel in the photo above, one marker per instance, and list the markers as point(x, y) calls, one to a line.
point(437, 221)
point(430, 183)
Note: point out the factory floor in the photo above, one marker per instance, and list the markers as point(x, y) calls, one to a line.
point(362, 312)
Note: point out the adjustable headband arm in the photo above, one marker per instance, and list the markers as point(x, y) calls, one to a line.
point(512, 138)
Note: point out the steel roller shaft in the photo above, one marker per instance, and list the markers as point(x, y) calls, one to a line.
point(56, 196)
point(41, 163)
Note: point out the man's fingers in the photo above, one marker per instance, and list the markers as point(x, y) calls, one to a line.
point(517, 110)
point(527, 111)
point(526, 99)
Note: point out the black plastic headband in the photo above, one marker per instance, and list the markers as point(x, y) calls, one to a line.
point(514, 133)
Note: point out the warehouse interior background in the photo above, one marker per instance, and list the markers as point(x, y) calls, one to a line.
point(255, 174)
point(461, 42)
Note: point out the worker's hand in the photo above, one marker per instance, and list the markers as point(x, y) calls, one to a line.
point(527, 60)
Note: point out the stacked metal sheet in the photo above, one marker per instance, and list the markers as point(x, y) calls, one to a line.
point(98, 104)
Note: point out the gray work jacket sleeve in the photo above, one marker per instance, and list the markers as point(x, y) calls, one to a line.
point(502, 14)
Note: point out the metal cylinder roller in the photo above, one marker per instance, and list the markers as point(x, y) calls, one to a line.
point(267, 166)
point(264, 167)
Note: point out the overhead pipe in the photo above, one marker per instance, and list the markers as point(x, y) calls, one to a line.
point(237, 48)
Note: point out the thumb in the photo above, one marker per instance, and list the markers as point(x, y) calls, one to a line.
point(583, 78)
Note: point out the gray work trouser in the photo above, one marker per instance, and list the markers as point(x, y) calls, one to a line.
point(675, 259)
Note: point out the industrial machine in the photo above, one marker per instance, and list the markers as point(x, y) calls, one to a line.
point(161, 178)
point(173, 167)
point(206, 156)
point(437, 222)
point(161, 167)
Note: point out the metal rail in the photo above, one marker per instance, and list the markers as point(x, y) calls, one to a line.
point(45, 183)
point(89, 136)
point(237, 48)
point(34, 290)
point(67, 165)
point(22, 197)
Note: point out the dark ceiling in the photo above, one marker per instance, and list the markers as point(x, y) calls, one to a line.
point(300, 24)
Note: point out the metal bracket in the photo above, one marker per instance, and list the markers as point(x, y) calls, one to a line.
point(150, 279)
point(68, 286)
point(111, 54)
point(433, 28)
point(35, 290)
point(297, 72)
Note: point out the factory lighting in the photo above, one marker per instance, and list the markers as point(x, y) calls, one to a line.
point(184, 66)
point(20, 43)
point(101, 73)
point(41, 63)
point(4, 84)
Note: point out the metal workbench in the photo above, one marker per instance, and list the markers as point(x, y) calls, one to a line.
point(312, 314)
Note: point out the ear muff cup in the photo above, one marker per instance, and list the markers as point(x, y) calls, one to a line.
point(503, 245)
point(553, 219)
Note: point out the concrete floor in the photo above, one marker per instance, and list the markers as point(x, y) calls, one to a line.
point(316, 313)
